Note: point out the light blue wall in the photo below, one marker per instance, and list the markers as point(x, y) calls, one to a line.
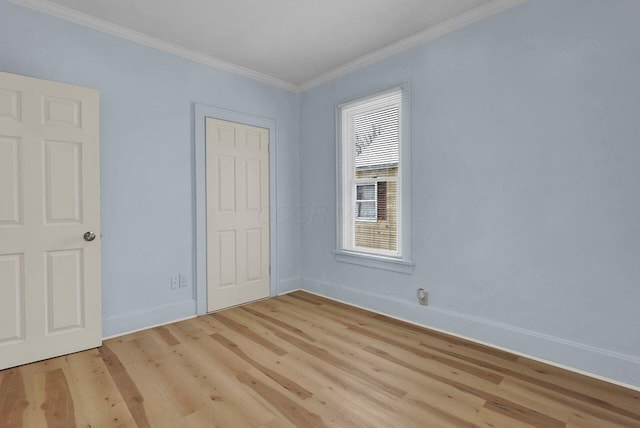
point(147, 101)
point(526, 184)
point(526, 164)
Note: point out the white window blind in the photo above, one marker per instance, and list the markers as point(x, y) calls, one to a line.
point(370, 175)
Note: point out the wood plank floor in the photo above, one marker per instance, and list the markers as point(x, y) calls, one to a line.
point(301, 360)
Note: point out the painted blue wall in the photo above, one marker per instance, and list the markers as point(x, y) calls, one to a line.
point(526, 166)
point(526, 184)
point(147, 101)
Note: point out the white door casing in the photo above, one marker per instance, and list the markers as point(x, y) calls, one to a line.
point(50, 293)
point(237, 182)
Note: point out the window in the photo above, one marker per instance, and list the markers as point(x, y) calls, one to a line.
point(366, 202)
point(372, 221)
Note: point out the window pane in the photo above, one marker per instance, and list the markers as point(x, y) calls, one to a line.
point(367, 210)
point(366, 192)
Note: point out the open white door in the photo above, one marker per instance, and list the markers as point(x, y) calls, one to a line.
point(237, 213)
point(50, 295)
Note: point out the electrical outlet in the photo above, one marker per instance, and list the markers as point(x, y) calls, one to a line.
point(423, 297)
point(175, 282)
point(183, 281)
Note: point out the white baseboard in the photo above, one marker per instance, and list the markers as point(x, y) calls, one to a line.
point(133, 321)
point(148, 327)
point(293, 291)
point(614, 367)
point(288, 285)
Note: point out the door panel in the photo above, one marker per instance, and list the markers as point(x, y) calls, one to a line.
point(254, 177)
point(227, 258)
point(254, 254)
point(63, 189)
point(61, 112)
point(50, 297)
point(226, 183)
point(10, 187)
point(12, 303)
point(237, 213)
point(10, 104)
point(65, 285)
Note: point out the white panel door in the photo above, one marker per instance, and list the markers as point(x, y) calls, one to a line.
point(237, 213)
point(50, 296)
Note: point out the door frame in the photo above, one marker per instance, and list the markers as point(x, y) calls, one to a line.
point(201, 112)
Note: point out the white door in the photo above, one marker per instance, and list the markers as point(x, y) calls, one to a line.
point(50, 301)
point(237, 213)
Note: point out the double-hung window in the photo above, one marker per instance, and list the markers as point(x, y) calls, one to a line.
point(372, 222)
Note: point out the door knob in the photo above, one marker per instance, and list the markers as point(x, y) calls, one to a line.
point(89, 236)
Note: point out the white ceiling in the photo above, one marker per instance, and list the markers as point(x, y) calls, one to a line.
point(291, 43)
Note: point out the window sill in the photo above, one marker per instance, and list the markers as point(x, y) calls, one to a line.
point(374, 261)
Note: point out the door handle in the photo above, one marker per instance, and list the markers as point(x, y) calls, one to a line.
point(89, 236)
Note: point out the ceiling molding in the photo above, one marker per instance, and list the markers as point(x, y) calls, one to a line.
point(452, 24)
point(85, 20)
point(476, 14)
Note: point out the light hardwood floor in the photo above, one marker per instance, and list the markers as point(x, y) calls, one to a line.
point(301, 360)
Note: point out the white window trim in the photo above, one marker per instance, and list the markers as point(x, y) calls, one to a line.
point(404, 263)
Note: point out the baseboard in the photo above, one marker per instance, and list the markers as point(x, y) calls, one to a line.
point(288, 285)
point(148, 327)
point(292, 291)
point(599, 363)
point(130, 322)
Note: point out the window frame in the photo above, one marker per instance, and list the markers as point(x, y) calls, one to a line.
point(375, 259)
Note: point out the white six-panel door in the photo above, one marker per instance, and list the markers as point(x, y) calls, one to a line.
point(237, 213)
point(50, 295)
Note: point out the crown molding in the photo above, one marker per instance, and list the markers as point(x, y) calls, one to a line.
point(86, 20)
point(476, 14)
